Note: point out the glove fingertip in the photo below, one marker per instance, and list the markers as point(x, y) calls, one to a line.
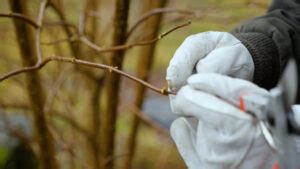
point(173, 78)
point(181, 126)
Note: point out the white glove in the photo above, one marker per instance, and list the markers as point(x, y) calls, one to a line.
point(226, 138)
point(296, 110)
point(209, 52)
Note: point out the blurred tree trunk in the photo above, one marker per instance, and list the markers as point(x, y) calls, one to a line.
point(92, 26)
point(92, 6)
point(94, 102)
point(26, 41)
point(151, 29)
point(113, 84)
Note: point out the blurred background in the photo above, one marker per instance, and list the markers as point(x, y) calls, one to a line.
point(70, 116)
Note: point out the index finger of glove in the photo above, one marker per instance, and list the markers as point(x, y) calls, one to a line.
point(193, 49)
point(204, 106)
point(225, 87)
point(234, 61)
point(187, 55)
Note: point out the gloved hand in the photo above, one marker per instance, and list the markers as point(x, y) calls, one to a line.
point(209, 52)
point(296, 110)
point(226, 137)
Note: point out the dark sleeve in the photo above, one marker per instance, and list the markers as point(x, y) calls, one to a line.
point(272, 39)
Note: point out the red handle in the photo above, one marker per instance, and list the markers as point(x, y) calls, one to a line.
point(275, 165)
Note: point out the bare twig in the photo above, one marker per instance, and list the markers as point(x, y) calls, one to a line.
point(73, 123)
point(39, 30)
point(156, 11)
point(21, 17)
point(63, 21)
point(110, 159)
point(59, 23)
point(61, 140)
point(54, 89)
point(258, 4)
point(92, 45)
point(147, 121)
point(85, 63)
point(66, 146)
point(14, 105)
point(55, 113)
point(70, 39)
point(81, 24)
point(130, 45)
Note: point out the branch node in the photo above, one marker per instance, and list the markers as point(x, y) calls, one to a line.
point(164, 91)
point(110, 69)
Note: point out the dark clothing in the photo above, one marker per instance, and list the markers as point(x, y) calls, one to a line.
point(272, 39)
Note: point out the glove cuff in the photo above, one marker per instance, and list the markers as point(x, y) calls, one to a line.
point(265, 57)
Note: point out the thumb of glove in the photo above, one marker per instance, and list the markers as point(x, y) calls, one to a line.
point(185, 137)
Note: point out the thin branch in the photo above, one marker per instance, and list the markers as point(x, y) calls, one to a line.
point(55, 113)
point(95, 14)
point(81, 24)
point(162, 91)
point(74, 124)
point(14, 106)
point(127, 46)
point(53, 90)
point(21, 17)
point(57, 135)
point(156, 11)
point(63, 21)
point(59, 23)
point(92, 45)
point(147, 121)
point(109, 159)
point(66, 146)
point(39, 30)
point(70, 39)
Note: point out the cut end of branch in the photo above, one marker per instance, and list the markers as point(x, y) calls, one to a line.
point(166, 92)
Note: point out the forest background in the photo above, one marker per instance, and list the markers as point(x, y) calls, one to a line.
point(82, 82)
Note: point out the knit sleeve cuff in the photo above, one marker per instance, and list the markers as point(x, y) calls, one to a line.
point(265, 57)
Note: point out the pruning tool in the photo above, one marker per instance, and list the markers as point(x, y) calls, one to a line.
point(276, 118)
